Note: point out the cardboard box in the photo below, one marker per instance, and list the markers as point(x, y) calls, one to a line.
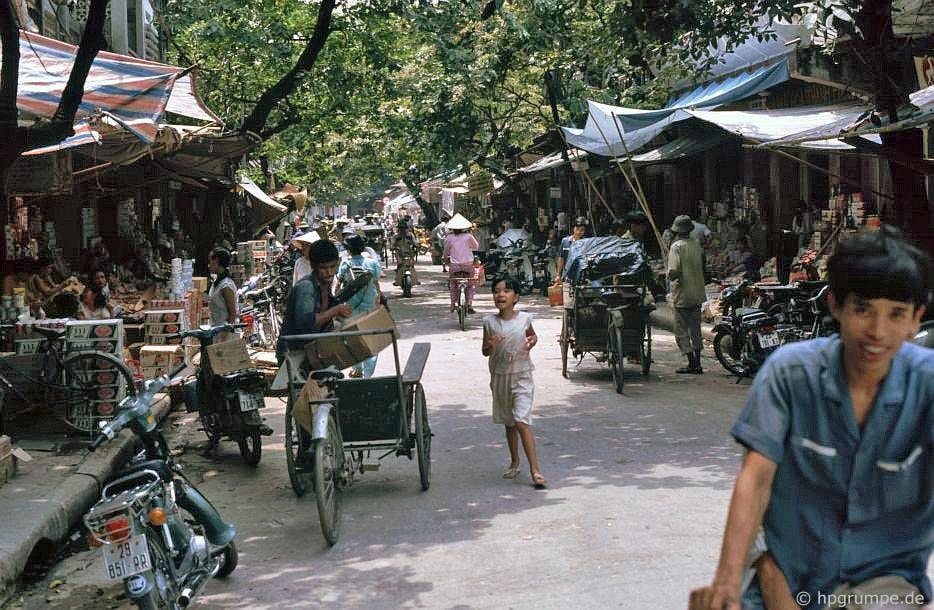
point(27, 346)
point(151, 372)
point(163, 340)
point(168, 328)
point(304, 412)
point(161, 356)
point(201, 283)
point(169, 316)
point(109, 346)
point(94, 329)
point(344, 352)
point(229, 356)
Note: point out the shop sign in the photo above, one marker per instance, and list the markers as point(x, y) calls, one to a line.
point(48, 174)
point(480, 183)
point(924, 66)
point(554, 192)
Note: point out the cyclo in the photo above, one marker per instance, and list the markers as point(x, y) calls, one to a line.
point(332, 424)
point(611, 299)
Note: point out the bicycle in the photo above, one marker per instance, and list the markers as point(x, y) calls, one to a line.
point(463, 280)
point(83, 388)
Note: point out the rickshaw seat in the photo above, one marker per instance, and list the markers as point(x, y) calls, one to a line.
point(415, 365)
point(330, 372)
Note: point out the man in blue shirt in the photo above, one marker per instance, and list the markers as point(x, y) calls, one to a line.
point(839, 465)
point(310, 307)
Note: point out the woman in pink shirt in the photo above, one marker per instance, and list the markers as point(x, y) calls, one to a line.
point(458, 250)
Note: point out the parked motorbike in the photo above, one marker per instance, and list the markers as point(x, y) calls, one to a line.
point(228, 403)
point(158, 534)
point(261, 317)
point(746, 336)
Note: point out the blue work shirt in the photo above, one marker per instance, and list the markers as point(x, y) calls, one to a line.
point(303, 305)
point(847, 504)
point(365, 299)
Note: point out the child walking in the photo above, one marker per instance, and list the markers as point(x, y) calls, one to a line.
point(507, 338)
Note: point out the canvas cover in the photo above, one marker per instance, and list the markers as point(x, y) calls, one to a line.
point(600, 256)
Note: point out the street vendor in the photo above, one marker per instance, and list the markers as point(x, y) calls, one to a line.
point(458, 251)
point(40, 287)
point(222, 296)
point(580, 229)
point(311, 307)
point(94, 305)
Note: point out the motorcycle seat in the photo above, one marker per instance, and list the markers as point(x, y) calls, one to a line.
point(158, 466)
point(50, 333)
point(742, 312)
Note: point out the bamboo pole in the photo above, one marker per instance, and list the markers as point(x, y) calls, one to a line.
point(632, 167)
point(586, 175)
point(639, 195)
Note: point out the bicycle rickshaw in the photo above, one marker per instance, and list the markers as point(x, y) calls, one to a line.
point(333, 423)
point(609, 317)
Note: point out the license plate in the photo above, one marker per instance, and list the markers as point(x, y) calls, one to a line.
point(126, 558)
point(769, 340)
point(248, 401)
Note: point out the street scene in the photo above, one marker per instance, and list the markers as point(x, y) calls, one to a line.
point(543, 304)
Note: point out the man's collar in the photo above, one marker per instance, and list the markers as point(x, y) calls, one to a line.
point(833, 376)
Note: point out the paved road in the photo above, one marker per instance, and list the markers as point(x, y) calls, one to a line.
point(632, 517)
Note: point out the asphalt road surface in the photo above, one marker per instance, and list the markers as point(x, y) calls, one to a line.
point(632, 517)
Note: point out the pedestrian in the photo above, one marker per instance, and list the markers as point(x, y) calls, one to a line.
point(483, 240)
point(508, 337)
point(838, 465)
point(458, 252)
point(366, 299)
point(302, 266)
point(564, 249)
point(686, 274)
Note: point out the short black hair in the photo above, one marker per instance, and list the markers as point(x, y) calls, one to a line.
point(355, 244)
point(511, 284)
point(322, 251)
point(879, 264)
point(222, 255)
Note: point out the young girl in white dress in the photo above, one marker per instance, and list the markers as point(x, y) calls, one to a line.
point(508, 337)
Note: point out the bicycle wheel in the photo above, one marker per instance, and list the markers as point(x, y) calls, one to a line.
point(565, 341)
point(93, 383)
point(297, 449)
point(329, 456)
point(462, 308)
point(422, 437)
point(614, 356)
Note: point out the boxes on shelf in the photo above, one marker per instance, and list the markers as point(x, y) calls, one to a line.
point(94, 329)
point(166, 316)
point(108, 346)
point(164, 356)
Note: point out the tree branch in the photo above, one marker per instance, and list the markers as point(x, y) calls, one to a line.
point(256, 121)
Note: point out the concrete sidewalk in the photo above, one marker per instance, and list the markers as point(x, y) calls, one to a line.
point(49, 495)
point(664, 317)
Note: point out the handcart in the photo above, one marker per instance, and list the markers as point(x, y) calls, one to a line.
point(610, 306)
point(333, 424)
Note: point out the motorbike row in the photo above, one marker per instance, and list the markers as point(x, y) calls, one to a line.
point(533, 266)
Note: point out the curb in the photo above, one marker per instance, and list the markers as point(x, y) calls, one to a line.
point(663, 317)
point(28, 521)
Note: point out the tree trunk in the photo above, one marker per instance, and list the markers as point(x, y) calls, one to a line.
point(19, 139)
point(258, 118)
point(431, 218)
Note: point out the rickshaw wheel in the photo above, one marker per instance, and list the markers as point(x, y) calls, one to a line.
point(422, 437)
point(328, 457)
point(564, 344)
point(647, 349)
point(615, 356)
point(296, 457)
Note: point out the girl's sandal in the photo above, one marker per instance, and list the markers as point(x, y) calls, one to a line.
point(538, 481)
point(511, 473)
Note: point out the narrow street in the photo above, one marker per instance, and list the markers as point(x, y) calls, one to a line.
point(638, 487)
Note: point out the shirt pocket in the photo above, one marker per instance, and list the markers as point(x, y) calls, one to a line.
point(818, 462)
point(902, 479)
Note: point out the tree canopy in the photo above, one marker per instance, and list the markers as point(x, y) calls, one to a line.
point(437, 84)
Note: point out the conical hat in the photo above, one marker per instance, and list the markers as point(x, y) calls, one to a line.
point(307, 238)
point(459, 223)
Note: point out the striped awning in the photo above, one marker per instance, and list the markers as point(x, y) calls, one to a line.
point(130, 92)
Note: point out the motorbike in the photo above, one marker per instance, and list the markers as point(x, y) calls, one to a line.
point(746, 336)
point(405, 263)
point(157, 533)
point(227, 403)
